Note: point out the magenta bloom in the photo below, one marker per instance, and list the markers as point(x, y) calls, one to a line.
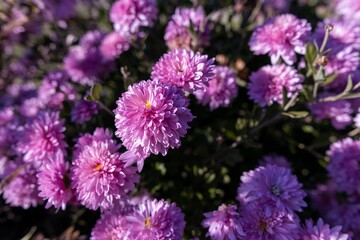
point(84, 63)
point(185, 69)
point(54, 182)
point(222, 89)
point(273, 184)
point(156, 220)
point(129, 16)
point(22, 191)
point(348, 9)
point(343, 166)
point(99, 135)
point(113, 45)
point(100, 176)
point(223, 223)
point(42, 137)
point(266, 84)
point(55, 88)
point(162, 118)
point(282, 36)
point(177, 31)
point(83, 111)
point(262, 221)
point(322, 231)
point(338, 112)
point(111, 225)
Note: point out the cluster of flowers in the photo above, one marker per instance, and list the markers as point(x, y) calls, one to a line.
point(283, 36)
point(37, 164)
point(269, 198)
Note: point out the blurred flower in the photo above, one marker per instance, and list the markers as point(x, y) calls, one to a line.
point(56, 88)
point(84, 63)
point(156, 220)
point(129, 16)
point(322, 231)
point(266, 84)
point(338, 112)
point(60, 9)
point(276, 160)
point(110, 226)
point(221, 91)
point(161, 115)
point(100, 176)
point(264, 221)
point(54, 182)
point(42, 137)
point(83, 111)
point(223, 223)
point(113, 45)
point(185, 20)
point(281, 36)
point(343, 165)
point(348, 9)
point(280, 6)
point(184, 68)
point(273, 184)
point(22, 189)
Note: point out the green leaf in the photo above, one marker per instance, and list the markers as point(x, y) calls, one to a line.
point(296, 114)
point(329, 79)
point(88, 98)
point(310, 53)
point(284, 96)
point(349, 85)
point(351, 96)
point(95, 91)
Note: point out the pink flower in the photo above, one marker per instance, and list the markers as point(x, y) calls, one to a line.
point(266, 85)
point(100, 176)
point(184, 68)
point(113, 45)
point(282, 36)
point(161, 115)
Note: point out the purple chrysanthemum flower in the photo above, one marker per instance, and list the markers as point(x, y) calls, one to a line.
point(111, 225)
point(156, 220)
point(6, 115)
point(282, 36)
point(113, 45)
point(263, 222)
point(100, 176)
point(185, 69)
point(54, 183)
point(223, 223)
point(266, 84)
point(276, 160)
point(322, 231)
point(99, 135)
point(30, 107)
point(22, 190)
point(84, 63)
point(42, 137)
point(338, 112)
point(343, 166)
point(60, 9)
point(162, 118)
point(222, 89)
point(83, 111)
point(129, 16)
point(348, 9)
point(56, 88)
point(280, 6)
point(177, 33)
point(273, 184)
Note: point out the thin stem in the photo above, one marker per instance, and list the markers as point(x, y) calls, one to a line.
point(328, 29)
point(105, 108)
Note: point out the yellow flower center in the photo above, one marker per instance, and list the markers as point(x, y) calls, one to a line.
point(262, 226)
point(147, 222)
point(98, 167)
point(148, 105)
